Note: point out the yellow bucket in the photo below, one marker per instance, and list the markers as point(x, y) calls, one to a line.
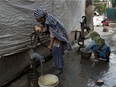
point(48, 80)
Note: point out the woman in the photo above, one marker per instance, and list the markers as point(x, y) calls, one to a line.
point(58, 37)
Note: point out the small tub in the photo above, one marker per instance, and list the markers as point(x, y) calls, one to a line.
point(48, 80)
point(86, 54)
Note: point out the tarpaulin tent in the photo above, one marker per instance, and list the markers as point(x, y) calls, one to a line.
point(16, 24)
point(17, 20)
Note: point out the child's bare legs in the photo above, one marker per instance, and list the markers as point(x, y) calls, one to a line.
point(96, 55)
point(107, 55)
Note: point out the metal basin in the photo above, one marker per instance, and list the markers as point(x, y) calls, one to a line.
point(86, 54)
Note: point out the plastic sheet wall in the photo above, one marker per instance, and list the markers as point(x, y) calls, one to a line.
point(17, 20)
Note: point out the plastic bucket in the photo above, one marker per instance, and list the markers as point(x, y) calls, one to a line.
point(48, 80)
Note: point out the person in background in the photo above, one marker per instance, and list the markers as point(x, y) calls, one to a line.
point(98, 46)
point(58, 37)
point(105, 22)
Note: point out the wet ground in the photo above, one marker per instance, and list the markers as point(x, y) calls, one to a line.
point(80, 72)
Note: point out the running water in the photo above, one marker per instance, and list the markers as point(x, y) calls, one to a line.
point(42, 70)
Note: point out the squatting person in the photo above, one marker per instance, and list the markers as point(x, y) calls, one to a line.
point(98, 46)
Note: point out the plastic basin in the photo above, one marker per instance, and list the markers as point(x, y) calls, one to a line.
point(48, 80)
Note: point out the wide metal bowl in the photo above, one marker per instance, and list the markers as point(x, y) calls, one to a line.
point(86, 54)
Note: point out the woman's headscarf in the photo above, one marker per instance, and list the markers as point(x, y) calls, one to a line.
point(99, 41)
point(39, 13)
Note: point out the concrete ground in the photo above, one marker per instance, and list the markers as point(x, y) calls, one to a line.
point(80, 72)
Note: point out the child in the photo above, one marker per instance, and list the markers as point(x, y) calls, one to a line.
point(99, 47)
point(57, 48)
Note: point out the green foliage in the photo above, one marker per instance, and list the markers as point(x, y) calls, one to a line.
point(100, 7)
point(113, 3)
point(94, 1)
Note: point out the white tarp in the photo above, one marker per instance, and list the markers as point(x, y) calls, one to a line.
point(17, 20)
